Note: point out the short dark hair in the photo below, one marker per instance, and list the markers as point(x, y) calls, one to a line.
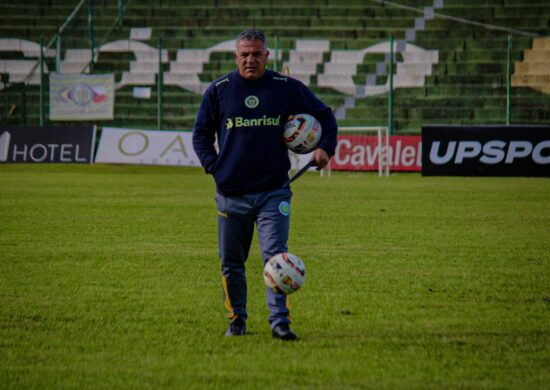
point(251, 35)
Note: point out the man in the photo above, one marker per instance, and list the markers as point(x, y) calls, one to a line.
point(245, 111)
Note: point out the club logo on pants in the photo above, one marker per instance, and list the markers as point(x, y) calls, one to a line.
point(284, 208)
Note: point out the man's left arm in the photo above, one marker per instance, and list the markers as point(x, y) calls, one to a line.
point(327, 144)
point(306, 101)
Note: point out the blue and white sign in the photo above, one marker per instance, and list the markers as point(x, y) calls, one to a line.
point(81, 97)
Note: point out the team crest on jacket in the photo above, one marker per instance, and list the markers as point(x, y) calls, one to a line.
point(251, 101)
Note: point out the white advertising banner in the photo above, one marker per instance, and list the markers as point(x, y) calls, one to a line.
point(146, 147)
point(297, 161)
point(81, 96)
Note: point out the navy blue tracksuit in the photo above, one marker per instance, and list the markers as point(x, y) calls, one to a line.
point(250, 167)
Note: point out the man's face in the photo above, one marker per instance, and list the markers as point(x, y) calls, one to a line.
point(251, 58)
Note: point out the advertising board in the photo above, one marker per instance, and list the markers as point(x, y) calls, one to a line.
point(56, 144)
point(486, 150)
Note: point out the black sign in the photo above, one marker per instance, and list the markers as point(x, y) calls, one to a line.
point(47, 144)
point(486, 150)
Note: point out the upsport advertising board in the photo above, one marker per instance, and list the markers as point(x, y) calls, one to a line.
point(486, 150)
point(68, 144)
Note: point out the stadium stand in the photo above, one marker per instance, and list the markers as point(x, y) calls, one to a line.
point(534, 70)
point(451, 56)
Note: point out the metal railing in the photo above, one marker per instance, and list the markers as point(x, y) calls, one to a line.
point(118, 21)
point(57, 39)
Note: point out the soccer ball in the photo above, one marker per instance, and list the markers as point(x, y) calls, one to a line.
point(284, 273)
point(302, 133)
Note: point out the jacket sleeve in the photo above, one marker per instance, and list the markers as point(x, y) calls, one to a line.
point(307, 102)
point(330, 128)
point(204, 131)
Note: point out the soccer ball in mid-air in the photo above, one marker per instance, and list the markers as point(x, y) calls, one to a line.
point(284, 273)
point(302, 133)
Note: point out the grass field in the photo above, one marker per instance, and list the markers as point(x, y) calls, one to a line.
point(109, 278)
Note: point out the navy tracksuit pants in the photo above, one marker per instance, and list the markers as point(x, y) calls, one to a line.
point(237, 215)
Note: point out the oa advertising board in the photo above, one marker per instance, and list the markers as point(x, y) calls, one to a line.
point(146, 147)
point(486, 150)
point(67, 144)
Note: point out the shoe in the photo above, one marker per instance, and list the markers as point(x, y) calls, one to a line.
point(236, 328)
point(283, 332)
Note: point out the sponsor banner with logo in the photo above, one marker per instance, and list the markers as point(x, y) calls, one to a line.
point(486, 150)
point(361, 153)
point(146, 147)
point(72, 144)
point(81, 97)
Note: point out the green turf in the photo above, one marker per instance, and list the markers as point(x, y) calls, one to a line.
point(109, 278)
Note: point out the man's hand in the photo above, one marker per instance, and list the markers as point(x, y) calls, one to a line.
point(321, 158)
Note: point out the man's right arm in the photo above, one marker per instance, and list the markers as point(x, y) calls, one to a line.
point(204, 132)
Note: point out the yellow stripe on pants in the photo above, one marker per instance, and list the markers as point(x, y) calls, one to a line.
point(227, 302)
